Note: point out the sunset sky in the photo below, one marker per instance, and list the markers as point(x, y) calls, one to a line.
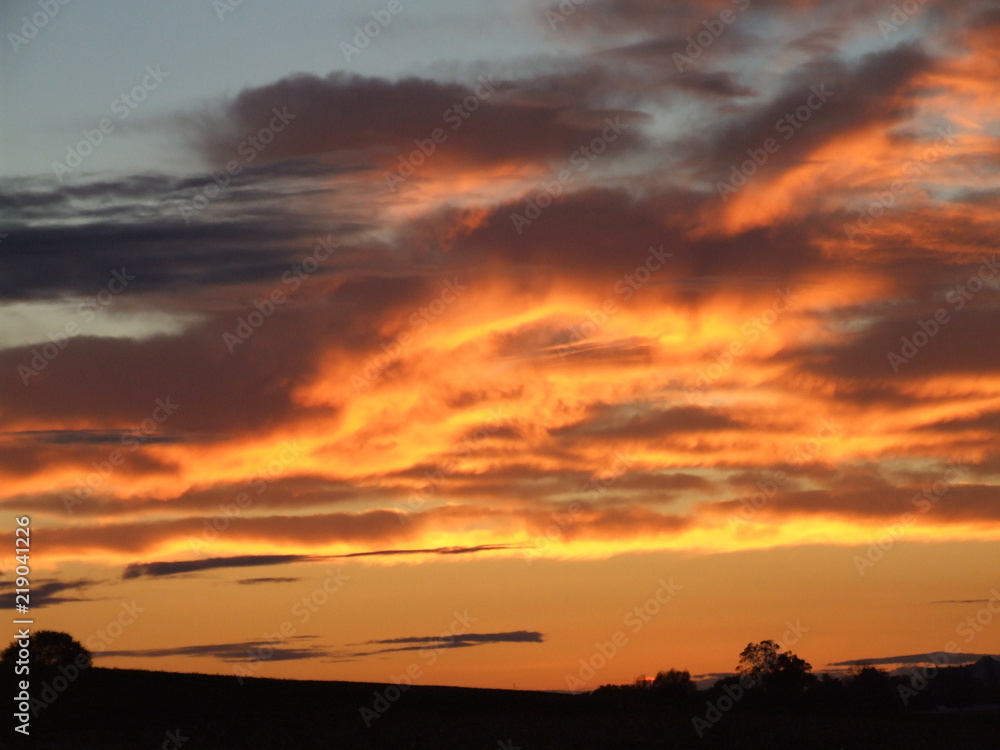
point(338, 338)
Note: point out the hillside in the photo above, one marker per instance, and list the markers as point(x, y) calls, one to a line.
point(108, 709)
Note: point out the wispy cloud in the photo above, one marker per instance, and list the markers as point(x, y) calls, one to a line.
point(932, 657)
point(255, 581)
point(159, 569)
point(231, 652)
point(466, 640)
point(48, 593)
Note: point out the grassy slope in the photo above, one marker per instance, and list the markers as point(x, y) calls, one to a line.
point(110, 709)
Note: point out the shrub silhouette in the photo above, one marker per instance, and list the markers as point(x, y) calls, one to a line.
point(778, 672)
point(49, 649)
point(771, 682)
point(871, 689)
point(675, 683)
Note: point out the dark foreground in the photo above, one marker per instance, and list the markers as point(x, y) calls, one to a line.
point(110, 709)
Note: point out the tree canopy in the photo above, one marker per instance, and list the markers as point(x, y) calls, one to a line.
point(766, 666)
point(49, 649)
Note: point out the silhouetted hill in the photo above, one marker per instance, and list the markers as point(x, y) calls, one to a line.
point(107, 709)
point(986, 672)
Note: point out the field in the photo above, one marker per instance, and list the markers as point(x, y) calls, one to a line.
point(111, 709)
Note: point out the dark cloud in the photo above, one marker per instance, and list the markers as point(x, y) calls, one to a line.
point(433, 551)
point(243, 651)
point(880, 89)
point(48, 593)
point(90, 437)
point(570, 240)
point(21, 459)
point(159, 569)
point(299, 647)
point(352, 115)
point(622, 422)
point(25, 453)
point(465, 640)
point(932, 657)
point(240, 395)
point(957, 348)
point(282, 493)
point(618, 522)
point(256, 581)
point(77, 235)
point(663, 480)
point(985, 422)
point(961, 503)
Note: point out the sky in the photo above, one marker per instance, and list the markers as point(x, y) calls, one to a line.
point(524, 344)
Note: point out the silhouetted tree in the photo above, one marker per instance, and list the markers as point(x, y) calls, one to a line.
point(871, 689)
point(49, 650)
point(773, 670)
point(828, 691)
point(641, 682)
point(674, 683)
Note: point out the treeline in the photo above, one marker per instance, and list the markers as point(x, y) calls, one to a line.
point(768, 679)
